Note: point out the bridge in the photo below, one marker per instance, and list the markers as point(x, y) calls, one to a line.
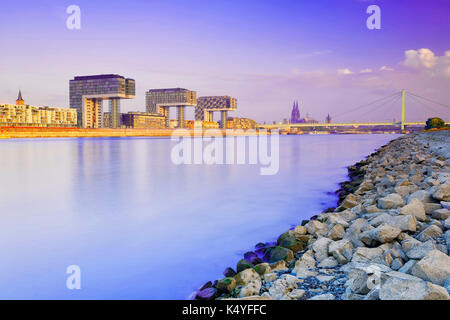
point(387, 101)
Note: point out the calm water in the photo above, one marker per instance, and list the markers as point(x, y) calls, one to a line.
point(141, 227)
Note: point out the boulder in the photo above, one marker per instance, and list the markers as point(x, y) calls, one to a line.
point(226, 285)
point(445, 205)
point(304, 264)
point(251, 289)
point(430, 207)
point(262, 268)
point(299, 231)
point(422, 195)
point(369, 255)
point(415, 249)
point(329, 262)
point(320, 248)
point(354, 231)
point(397, 288)
point(317, 228)
point(280, 253)
point(385, 233)
point(414, 208)
point(393, 200)
point(242, 265)
point(441, 214)
point(447, 223)
point(403, 222)
point(290, 241)
point(431, 232)
point(245, 277)
point(434, 267)
point(341, 250)
point(407, 267)
point(337, 232)
point(326, 296)
point(443, 192)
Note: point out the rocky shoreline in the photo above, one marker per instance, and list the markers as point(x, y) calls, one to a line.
point(388, 239)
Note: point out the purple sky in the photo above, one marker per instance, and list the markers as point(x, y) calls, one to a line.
point(265, 53)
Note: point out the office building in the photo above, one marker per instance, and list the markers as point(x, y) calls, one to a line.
point(206, 106)
point(143, 120)
point(161, 100)
point(88, 92)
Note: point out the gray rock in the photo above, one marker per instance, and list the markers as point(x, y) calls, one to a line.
point(416, 249)
point(385, 233)
point(407, 267)
point(317, 228)
point(434, 267)
point(326, 296)
point(430, 207)
point(337, 232)
point(304, 264)
point(320, 248)
point(329, 262)
point(445, 205)
point(403, 222)
point(443, 192)
point(422, 195)
point(441, 214)
point(393, 200)
point(447, 223)
point(369, 255)
point(397, 288)
point(431, 232)
point(414, 208)
point(341, 250)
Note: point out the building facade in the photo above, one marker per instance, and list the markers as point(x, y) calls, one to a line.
point(36, 116)
point(88, 92)
point(241, 123)
point(143, 120)
point(206, 106)
point(161, 100)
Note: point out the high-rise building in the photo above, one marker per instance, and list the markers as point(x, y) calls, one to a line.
point(206, 106)
point(88, 92)
point(143, 120)
point(161, 100)
point(328, 119)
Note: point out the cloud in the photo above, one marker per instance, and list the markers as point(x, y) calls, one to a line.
point(427, 61)
point(366, 70)
point(345, 71)
point(386, 68)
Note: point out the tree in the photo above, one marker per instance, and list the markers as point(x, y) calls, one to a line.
point(434, 123)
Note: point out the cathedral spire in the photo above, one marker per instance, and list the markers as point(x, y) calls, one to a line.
point(19, 100)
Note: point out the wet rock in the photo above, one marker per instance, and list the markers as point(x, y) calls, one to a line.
point(226, 285)
point(206, 294)
point(290, 241)
point(278, 266)
point(280, 253)
point(262, 268)
point(229, 272)
point(242, 265)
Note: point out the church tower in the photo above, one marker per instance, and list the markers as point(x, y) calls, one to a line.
point(19, 101)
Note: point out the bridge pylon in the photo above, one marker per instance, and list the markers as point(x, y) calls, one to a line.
point(403, 109)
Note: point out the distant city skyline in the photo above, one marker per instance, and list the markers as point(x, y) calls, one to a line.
point(266, 54)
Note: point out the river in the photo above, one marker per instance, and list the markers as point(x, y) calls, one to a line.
point(141, 227)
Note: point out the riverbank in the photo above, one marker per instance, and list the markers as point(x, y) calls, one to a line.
point(388, 238)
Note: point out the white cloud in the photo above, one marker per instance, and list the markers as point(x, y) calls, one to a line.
point(386, 68)
point(366, 70)
point(422, 58)
point(344, 71)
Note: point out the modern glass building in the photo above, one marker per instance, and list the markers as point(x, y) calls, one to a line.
point(88, 92)
point(206, 106)
point(160, 100)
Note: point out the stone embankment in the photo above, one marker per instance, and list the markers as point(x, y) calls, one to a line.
point(388, 239)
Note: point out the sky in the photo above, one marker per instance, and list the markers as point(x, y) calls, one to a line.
point(265, 53)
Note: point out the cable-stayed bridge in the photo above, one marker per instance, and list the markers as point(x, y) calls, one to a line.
point(384, 104)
